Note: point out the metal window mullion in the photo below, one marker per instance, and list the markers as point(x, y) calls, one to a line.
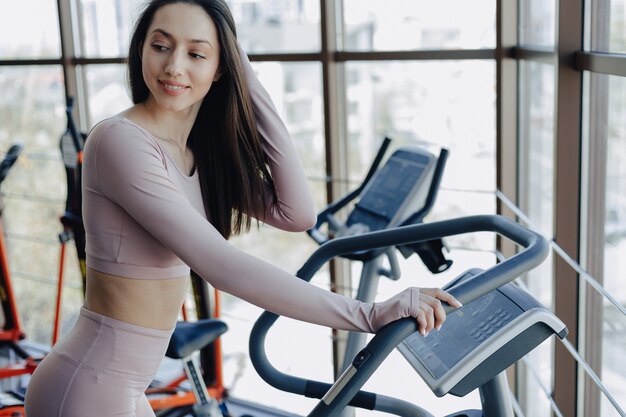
point(417, 55)
point(545, 55)
point(606, 63)
point(594, 206)
point(335, 146)
point(567, 195)
point(66, 27)
point(506, 110)
point(506, 125)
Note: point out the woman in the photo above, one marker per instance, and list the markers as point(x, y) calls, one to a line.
point(203, 141)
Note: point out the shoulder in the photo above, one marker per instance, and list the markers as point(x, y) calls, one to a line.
point(118, 135)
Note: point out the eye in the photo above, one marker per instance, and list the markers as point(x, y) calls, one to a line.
point(196, 55)
point(159, 47)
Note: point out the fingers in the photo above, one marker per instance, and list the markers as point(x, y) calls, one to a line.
point(449, 298)
point(422, 323)
point(443, 296)
point(431, 311)
point(434, 314)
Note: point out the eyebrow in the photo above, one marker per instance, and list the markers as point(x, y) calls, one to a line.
point(169, 35)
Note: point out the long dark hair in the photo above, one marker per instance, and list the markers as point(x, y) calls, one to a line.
point(225, 142)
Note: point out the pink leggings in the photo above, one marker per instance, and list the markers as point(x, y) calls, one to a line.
point(101, 368)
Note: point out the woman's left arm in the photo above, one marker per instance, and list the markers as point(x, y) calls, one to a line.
point(294, 209)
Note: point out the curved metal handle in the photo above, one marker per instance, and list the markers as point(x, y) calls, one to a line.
point(536, 249)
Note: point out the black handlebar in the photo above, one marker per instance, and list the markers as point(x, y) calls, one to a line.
point(326, 216)
point(77, 138)
point(9, 159)
point(534, 253)
point(432, 191)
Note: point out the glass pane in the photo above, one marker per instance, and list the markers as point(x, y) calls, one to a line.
point(432, 104)
point(374, 25)
point(537, 84)
point(265, 26)
point(608, 25)
point(537, 23)
point(30, 29)
point(106, 91)
point(296, 91)
point(614, 340)
point(106, 26)
point(536, 160)
point(440, 104)
point(295, 88)
point(33, 112)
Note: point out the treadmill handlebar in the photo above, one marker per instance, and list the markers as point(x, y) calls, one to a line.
point(534, 253)
point(327, 215)
point(432, 191)
point(535, 249)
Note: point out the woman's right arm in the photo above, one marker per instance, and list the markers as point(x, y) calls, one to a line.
point(130, 172)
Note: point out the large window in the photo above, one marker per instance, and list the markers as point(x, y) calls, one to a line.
point(374, 25)
point(537, 23)
point(613, 323)
point(17, 37)
point(32, 113)
point(105, 27)
point(435, 104)
point(271, 26)
point(574, 199)
point(107, 92)
point(420, 72)
point(608, 25)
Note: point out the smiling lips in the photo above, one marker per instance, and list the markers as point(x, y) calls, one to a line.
point(172, 87)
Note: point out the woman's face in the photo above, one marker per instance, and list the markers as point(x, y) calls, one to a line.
point(180, 57)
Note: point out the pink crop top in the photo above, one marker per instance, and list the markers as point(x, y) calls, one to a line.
point(144, 219)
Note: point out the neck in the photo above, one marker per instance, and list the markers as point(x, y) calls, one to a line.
point(173, 126)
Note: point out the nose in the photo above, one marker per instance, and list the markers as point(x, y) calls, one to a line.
point(174, 64)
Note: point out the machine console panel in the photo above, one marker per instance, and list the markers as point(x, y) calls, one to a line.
point(396, 190)
point(480, 339)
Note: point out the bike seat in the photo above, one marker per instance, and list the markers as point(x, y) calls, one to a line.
point(191, 336)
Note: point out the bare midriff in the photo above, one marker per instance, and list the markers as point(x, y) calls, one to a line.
point(145, 302)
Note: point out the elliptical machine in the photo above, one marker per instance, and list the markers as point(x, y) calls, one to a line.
point(498, 324)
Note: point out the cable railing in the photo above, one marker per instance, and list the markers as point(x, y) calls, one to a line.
point(546, 391)
point(589, 280)
point(559, 251)
point(8, 195)
point(596, 379)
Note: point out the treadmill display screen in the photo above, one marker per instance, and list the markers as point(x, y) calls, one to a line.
point(464, 330)
point(389, 189)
